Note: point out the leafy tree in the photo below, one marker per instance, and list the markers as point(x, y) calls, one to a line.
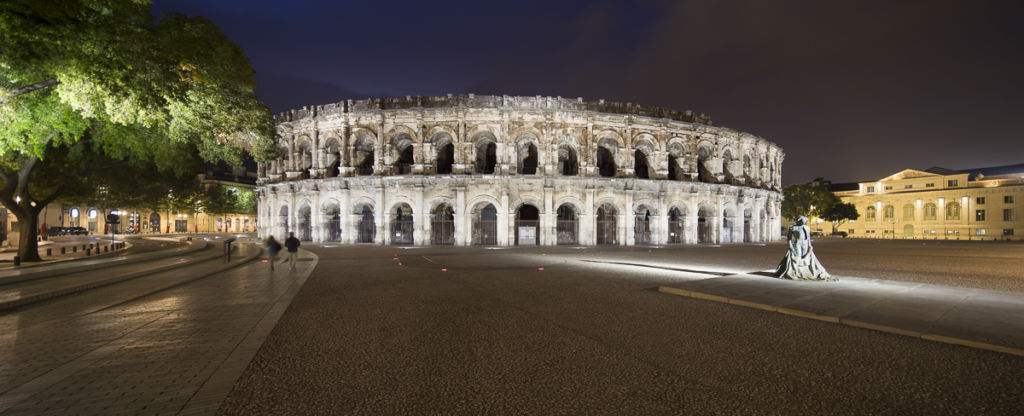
point(89, 88)
point(839, 213)
point(806, 200)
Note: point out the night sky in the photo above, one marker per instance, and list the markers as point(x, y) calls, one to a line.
point(852, 90)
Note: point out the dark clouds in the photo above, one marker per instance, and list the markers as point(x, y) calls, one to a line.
point(851, 90)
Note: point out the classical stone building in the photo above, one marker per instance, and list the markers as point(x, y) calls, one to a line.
point(938, 203)
point(501, 170)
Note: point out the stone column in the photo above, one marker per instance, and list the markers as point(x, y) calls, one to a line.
point(463, 220)
point(587, 235)
point(382, 217)
point(547, 219)
point(503, 222)
point(628, 223)
point(420, 215)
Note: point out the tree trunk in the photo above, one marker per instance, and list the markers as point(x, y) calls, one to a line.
point(28, 247)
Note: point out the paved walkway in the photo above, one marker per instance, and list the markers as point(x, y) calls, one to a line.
point(986, 319)
point(142, 346)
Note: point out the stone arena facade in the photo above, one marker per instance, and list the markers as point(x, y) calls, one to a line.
point(501, 170)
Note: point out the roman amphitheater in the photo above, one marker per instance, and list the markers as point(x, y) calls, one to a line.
point(501, 170)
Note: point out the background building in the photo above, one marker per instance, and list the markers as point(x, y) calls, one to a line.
point(939, 203)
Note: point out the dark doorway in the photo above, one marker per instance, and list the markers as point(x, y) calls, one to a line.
point(485, 226)
point(442, 226)
point(640, 167)
point(605, 162)
point(445, 158)
point(675, 226)
point(367, 226)
point(528, 226)
point(567, 225)
point(402, 226)
point(642, 228)
point(606, 225)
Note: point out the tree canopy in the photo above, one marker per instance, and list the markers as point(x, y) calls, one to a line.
point(816, 201)
point(100, 87)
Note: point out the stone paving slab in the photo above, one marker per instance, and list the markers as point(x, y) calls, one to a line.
point(175, 351)
point(974, 317)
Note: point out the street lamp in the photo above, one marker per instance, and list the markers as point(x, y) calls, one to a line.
point(894, 222)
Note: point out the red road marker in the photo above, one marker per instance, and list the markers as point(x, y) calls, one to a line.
point(396, 258)
point(399, 264)
point(263, 260)
point(648, 251)
point(540, 268)
point(444, 270)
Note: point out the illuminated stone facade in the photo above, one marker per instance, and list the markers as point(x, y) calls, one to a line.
point(937, 203)
point(500, 170)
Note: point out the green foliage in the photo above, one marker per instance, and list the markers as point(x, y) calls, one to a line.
point(840, 213)
point(806, 200)
point(100, 100)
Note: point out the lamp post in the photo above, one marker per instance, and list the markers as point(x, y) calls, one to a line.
point(894, 222)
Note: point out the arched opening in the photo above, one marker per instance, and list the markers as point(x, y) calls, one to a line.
point(527, 159)
point(908, 212)
point(642, 226)
point(953, 211)
point(282, 221)
point(305, 161)
point(640, 167)
point(445, 159)
point(305, 227)
point(332, 158)
point(333, 223)
point(908, 231)
point(748, 174)
point(367, 225)
point(364, 157)
point(567, 225)
point(676, 226)
point(605, 229)
point(442, 225)
point(404, 162)
point(605, 162)
point(527, 225)
point(728, 223)
point(567, 163)
point(401, 225)
point(154, 222)
point(675, 172)
point(486, 155)
point(703, 172)
point(485, 225)
point(747, 233)
point(703, 227)
point(727, 171)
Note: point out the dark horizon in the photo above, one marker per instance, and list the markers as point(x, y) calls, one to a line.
point(851, 92)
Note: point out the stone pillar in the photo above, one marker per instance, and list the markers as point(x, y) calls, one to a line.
point(382, 217)
point(463, 219)
point(660, 231)
point(587, 235)
point(503, 222)
point(628, 222)
point(547, 219)
point(421, 214)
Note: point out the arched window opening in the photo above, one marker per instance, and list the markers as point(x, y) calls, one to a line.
point(527, 159)
point(332, 159)
point(442, 225)
point(402, 225)
point(889, 212)
point(305, 161)
point(929, 211)
point(333, 223)
point(486, 157)
point(606, 227)
point(747, 233)
point(605, 162)
point(908, 212)
point(403, 166)
point(676, 226)
point(282, 221)
point(527, 226)
point(305, 226)
point(703, 227)
point(953, 211)
point(367, 225)
point(364, 157)
point(728, 222)
point(567, 225)
point(703, 171)
point(640, 167)
point(567, 163)
point(485, 226)
point(870, 213)
point(445, 159)
point(642, 227)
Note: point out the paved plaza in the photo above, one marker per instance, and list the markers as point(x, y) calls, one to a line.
point(471, 330)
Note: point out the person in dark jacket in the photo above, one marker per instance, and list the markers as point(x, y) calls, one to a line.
point(292, 244)
point(272, 248)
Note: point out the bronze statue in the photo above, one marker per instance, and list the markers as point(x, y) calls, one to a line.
point(800, 262)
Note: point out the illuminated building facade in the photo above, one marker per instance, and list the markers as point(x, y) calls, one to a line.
point(938, 203)
point(501, 170)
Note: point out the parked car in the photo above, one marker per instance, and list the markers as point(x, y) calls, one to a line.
point(840, 234)
point(817, 234)
point(76, 231)
point(54, 231)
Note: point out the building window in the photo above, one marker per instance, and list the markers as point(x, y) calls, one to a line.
point(1008, 199)
point(980, 231)
point(1008, 231)
point(952, 232)
point(979, 215)
point(929, 211)
point(870, 213)
point(889, 212)
point(888, 188)
point(979, 200)
point(1009, 215)
point(953, 211)
point(908, 212)
point(953, 183)
point(908, 186)
point(850, 231)
point(929, 185)
point(871, 189)
point(93, 213)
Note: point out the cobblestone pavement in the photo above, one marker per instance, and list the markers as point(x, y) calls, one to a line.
point(471, 330)
point(110, 351)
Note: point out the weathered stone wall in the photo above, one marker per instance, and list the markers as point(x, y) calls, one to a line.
point(643, 163)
